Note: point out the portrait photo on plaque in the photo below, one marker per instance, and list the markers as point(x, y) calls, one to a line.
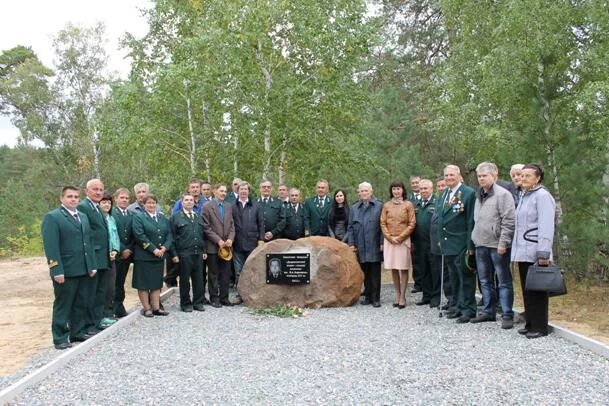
point(288, 268)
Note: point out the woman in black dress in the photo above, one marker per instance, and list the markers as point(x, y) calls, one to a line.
point(338, 217)
point(152, 233)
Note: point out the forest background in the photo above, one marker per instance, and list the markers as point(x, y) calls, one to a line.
point(296, 91)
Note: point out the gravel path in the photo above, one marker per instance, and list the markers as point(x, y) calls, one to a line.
point(357, 355)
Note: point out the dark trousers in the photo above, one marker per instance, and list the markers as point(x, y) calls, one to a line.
point(445, 284)
point(191, 268)
point(122, 268)
point(429, 269)
point(218, 277)
point(99, 301)
point(535, 303)
point(69, 308)
point(90, 288)
point(463, 283)
point(372, 280)
point(110, 285)
point(172, 273)
point(417, 276)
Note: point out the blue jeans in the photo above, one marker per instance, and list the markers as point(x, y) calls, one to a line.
point(489, 264)
point(239, 258)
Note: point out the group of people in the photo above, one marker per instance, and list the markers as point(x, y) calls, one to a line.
point(91, 243)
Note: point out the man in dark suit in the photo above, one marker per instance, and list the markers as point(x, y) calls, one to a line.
point(219, 229)
point(316, 211)
point(293, 217)
point(455, 208)
point(66, 235)
point(249, 229)
point(271, 210)
point(424, 261)
point(189, 251)
point(99, 233)
point(124, 221)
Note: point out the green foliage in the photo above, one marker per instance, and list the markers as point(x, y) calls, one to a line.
point(279, 311)
point(25, 243)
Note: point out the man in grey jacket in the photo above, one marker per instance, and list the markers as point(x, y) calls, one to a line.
point(492, 237)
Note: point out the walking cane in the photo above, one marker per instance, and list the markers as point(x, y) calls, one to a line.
point(441, 286)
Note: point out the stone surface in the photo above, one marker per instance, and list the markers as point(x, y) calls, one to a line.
point(336, 277)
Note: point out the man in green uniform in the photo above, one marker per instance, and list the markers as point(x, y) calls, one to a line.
point(124, 220)
point(271, 210)
point(293, 216)
point(99, 234)
point(66, 235)
point(189, 251)
point(316, 211)
point(424, 261)
point(455, 208)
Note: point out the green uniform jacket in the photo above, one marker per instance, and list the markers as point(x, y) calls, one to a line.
point(272, 212)
point(67, 243)
point(316, 218)
point(456, 220)
point(421, 234)
point(187, 234)
point(124, 225)
point(99, 233)
point(293, 227)
point(150, 235)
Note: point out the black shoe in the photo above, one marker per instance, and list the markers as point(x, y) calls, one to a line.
point(507, 324)
point(422, 302)
point(535, 334)
point(206, 301)
point(432, 305)
point(376, 304)
point(482, 318)
point(226, 303)
point(171, 283)
point(365, 301)
point(199, 307)
point(395, 305)
point(401, 306)
point(463, 319)
point(216, 304)
point(445, 307)
point(415, 290)
point(79, 339)
point(92, 332)
point(62, 346)
point(120, 311)
point(186, 308)
point(523, 331)
point(160, 312)
point(453, 315)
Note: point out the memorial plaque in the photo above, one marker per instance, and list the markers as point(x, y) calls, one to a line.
point(288, 269)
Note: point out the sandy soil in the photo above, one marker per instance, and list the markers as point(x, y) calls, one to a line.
point(25, 319)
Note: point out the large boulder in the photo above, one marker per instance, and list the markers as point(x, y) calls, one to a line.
point(335, 279)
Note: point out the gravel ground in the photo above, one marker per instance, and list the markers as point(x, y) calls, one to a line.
point(357, 355)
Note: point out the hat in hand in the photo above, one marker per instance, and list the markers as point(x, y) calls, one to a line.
point(226, 253)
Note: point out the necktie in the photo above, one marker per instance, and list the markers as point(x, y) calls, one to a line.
point(124, 212)
point(155, 219)
point(424, 203)
point(295, 207)
point(190, 215)
point(447, 201)
point(221, 210)
point(76, 217)
point(266, 200)
point(321, 203)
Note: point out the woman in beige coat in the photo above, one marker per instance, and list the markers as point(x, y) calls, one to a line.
point(397, 223)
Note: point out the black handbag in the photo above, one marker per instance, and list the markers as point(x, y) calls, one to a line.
point(546, 279)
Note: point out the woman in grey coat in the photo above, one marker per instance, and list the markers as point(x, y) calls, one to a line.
point(364, 236)
point(532, 243)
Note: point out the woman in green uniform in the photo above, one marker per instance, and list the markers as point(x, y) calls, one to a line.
point(152, 233)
